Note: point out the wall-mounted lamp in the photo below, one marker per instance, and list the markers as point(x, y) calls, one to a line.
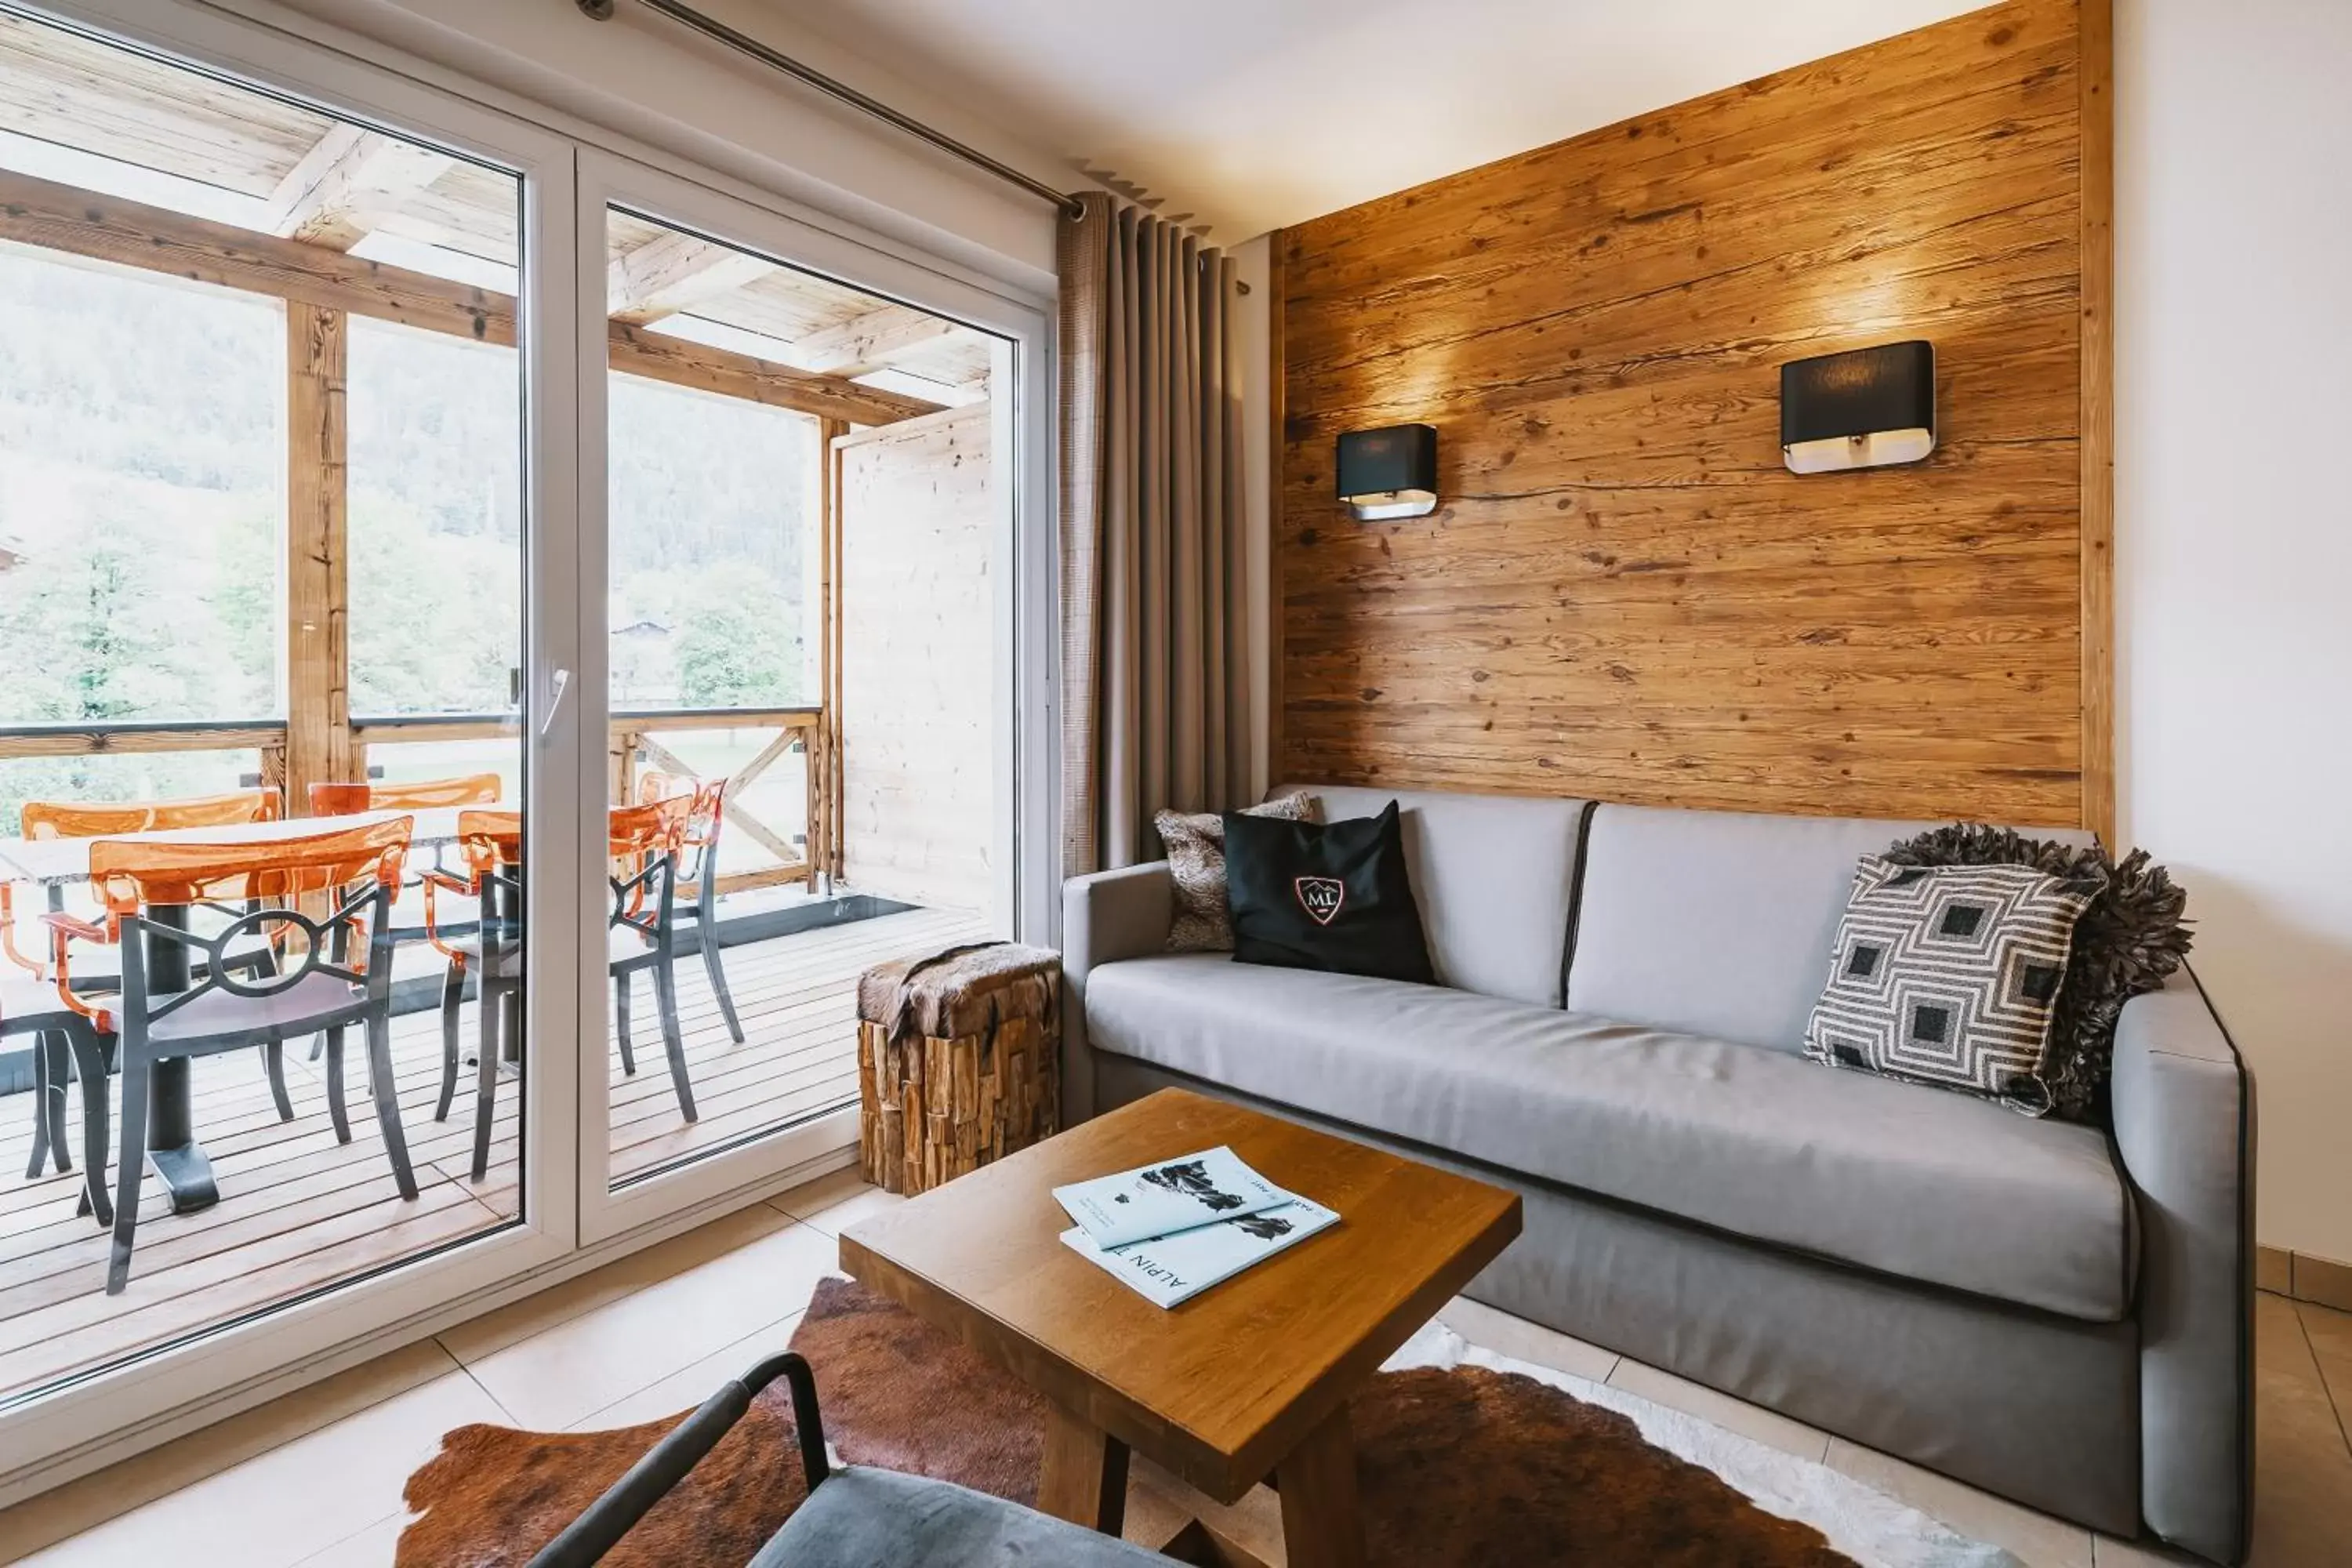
point(1859, 410)
point(1389, 473)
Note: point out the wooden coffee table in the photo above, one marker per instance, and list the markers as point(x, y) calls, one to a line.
point(1247, 1381)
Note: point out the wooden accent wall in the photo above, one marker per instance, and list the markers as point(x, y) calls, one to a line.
point(1624, 593)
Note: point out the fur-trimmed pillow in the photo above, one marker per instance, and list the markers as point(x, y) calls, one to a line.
point(1196, 864)
point(2128, 942)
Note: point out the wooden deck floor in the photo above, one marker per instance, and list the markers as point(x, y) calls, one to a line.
point(299, 1213)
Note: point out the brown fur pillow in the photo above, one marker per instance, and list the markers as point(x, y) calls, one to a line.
point(1196, 864)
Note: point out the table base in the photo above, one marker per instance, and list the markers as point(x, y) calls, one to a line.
point(188, 1171)
point(1084, 1473)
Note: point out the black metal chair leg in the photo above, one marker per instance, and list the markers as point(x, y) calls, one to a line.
point(90, 1064)
point(128, 1172)
point(42, 1142)
point(486, 1096)
point(718, 973)
point(273, 1062)
point(621, 989)
point(666, 997)
point(336, 1110)
point(387, 1102)
point(453, 998)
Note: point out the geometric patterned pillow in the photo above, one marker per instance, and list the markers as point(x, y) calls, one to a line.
point(1947, 975)
point(1195, 843)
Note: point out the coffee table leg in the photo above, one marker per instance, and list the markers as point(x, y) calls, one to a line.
point(1322, 1527)
point(1083, 1475)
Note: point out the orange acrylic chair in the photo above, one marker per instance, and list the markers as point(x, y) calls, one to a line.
point(706, 815)
point(644, 843)
point(419, 794)
point(183, 997)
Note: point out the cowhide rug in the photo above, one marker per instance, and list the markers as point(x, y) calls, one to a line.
point(1458, 1463)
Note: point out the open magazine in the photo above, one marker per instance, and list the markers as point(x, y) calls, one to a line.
point(1167, 1197)
point(1169, 1269)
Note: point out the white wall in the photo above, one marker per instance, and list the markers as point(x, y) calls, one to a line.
point(2233, 556)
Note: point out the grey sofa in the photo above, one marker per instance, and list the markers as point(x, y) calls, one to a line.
point(2055, 1312)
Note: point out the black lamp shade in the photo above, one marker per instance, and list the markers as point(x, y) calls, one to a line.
point(1389, 473)
point(1860, 409)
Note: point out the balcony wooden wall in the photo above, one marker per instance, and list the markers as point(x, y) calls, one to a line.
point(1624, 593)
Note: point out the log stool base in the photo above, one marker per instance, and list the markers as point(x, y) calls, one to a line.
point(935, 1105)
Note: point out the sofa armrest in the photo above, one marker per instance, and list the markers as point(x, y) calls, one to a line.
point(2184, 1125)
point(1106, 916)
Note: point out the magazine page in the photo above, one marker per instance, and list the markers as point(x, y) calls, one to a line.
point(1169, 1269)
point(1168, 1195)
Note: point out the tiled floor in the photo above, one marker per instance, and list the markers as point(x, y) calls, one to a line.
point(315, 1478)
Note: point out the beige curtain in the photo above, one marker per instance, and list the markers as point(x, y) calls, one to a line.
point(1154, 669)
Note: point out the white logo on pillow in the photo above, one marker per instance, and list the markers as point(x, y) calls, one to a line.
point(1320, 897)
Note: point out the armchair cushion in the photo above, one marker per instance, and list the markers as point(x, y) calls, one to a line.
point(859, 1516)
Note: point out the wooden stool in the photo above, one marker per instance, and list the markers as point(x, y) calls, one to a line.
point(959, 1061)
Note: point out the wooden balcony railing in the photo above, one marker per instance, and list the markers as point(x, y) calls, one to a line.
point(632, 746)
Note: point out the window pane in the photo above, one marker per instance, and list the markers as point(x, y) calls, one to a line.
point(143, 482)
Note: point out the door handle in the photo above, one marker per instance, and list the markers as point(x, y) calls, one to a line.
point(556, 687)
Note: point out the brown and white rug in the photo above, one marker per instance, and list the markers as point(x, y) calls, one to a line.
point(1464, 1458)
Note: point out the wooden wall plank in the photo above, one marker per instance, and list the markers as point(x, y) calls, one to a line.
point(915, 630)
point(2098, 25)
point(1624, 593)
point(317, 552)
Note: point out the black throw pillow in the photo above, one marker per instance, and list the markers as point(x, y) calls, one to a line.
point(1333, 896)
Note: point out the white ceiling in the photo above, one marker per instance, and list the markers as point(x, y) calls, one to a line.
point(1257, 113)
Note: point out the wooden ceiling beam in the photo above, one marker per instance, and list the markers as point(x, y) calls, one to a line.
point(347, 183)
point(52, 217)
point(674, 272)
point(868, 343)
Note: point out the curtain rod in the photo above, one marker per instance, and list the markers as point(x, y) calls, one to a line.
point(711, 27)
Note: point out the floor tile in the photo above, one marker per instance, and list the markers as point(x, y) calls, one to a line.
point(2329, 1334)
point(587, 1363)
point(684, 1390)
point(1733, 1415)
point(836, 1202)
point(493, 1331)
point(2037, 1540)
point(1496, 1331)
point(84, 1504)
point(2303, 1472)
point(2107, 1552)
point(373, 1547)
point(294, 1502)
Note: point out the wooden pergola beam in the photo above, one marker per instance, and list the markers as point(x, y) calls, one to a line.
point(347, 183)
point(52, 217)
point(672, 272)
point(880, 337)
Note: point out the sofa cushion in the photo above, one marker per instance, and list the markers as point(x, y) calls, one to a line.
point(1910, 1182)
point(1716, 922)
point(1495, 877)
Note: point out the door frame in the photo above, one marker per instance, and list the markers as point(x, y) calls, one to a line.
point(1027, 729)
point(47, 1440)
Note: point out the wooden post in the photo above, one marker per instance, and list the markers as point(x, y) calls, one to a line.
point(825, 749)
point(317, 545)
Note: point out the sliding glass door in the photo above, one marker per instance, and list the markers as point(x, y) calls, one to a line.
point(284, 575)
point(808, 564)
point(582, 614)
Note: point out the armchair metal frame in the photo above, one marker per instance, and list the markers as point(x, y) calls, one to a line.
point(586, 1539)
point(706, 818)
